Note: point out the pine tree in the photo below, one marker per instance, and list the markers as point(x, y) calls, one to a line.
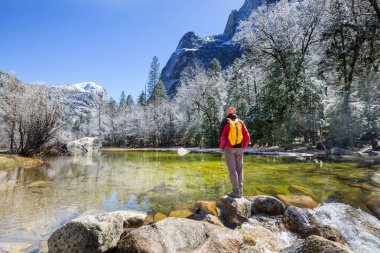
point(215, 69)
point(129, 100)
point(122, 101)
point(214, 104)
point(159, 92)
point(154, 75)
point(237, 92)
point(141, 100)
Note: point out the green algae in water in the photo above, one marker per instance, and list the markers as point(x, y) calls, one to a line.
point(159, 182)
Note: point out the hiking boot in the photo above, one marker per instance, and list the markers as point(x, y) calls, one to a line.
point(234, 195)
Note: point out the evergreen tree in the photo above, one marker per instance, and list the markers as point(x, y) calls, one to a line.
point(237, 92)
point(129, 100)
point(141, 100)
point(159, 92)
point(215, 69)
point(154, 76)
point(212, 112)
point(122, 101)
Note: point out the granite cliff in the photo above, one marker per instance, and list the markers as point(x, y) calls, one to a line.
point(193, 48)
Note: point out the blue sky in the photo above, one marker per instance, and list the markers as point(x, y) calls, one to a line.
point(110, 42)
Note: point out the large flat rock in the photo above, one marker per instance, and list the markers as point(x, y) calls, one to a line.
point(181, 235)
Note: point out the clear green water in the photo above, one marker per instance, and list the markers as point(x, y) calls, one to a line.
point(33, 203)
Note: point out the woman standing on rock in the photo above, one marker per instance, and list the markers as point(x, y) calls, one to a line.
point(234, 137)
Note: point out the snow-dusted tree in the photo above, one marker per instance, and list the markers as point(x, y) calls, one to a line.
point(154, 76)
point(350, 42)
point(239, 91)
point(278, 38)
point(11, 94)
point(31, 119)
point(204, 96)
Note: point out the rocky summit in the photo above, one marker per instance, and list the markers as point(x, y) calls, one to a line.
point(192, 48)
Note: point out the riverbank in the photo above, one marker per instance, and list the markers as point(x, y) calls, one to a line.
point(10, 162)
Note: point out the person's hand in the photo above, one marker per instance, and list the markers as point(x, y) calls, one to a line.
point(222, 150)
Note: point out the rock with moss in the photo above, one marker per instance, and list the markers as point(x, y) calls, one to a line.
point(267, 205)
point(298, 200)
point(207, 206)
point(180, 213)
point(181, 235)
point(93, 233)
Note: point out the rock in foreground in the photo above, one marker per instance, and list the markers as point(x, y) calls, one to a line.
point(300, 221)
point(234, 211)
point(181, 235)
point(92, 233)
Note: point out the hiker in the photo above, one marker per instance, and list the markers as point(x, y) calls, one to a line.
point(234, 137)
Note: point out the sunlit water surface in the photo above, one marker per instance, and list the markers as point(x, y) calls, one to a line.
point(35, 202)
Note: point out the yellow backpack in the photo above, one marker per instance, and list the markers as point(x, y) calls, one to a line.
point(235, 136)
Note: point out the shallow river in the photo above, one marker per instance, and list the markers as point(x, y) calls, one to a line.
point(34, 202)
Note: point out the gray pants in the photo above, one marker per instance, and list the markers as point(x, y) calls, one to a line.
point(234, 160)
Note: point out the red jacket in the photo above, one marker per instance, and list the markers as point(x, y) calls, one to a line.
point(224, 142)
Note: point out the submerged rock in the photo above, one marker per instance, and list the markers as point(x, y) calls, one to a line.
point(298, 201)
point(159, 216)
point(373, 204)
point(234, 211)
point(298, 189)
point(180, 213)
point(39, 184)
point(207, 206)
point(375, 177)
point(181, 235)
point(267, 205)
point(92, 233)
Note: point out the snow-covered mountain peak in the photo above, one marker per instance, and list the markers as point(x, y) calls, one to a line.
point(82, 87)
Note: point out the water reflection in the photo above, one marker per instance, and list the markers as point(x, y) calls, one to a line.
point(34, 202)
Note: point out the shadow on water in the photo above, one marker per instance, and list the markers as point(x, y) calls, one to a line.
point(33, 203)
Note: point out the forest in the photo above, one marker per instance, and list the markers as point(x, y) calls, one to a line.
point(309, 73)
